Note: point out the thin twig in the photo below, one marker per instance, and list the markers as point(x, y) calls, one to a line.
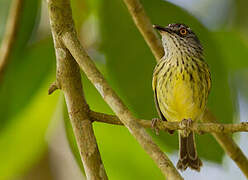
point(226, 142)
point(86, 64)
point(164, 125)
point(52, 88)
point(9, 36)
point(69, 81)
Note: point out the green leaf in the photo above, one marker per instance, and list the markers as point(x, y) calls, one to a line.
point(22, 141)
point(233, 48)
point(24, 77)
point(26, 108)
point(28, 23)
point(80, 12)
point(122, 156)
point(130, 65)
point(25, 70)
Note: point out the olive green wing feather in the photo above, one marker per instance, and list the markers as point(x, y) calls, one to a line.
point(157, 107)
point(154, 85)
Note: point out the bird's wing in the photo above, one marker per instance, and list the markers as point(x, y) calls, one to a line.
point(154, 84)
point(209, 80)
point(157, 107)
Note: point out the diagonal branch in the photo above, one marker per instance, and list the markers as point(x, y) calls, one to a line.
point(69, 81)
point(229, 146)
point(165, 125)
point(10, 34)
point(144, 25)
point(86, 64)
point(71, 41)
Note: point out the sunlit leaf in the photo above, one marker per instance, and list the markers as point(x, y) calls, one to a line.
point(20, 78)
point(23, 140)
point(25, 75)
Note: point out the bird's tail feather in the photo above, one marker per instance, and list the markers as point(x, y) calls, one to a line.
point(188, 154)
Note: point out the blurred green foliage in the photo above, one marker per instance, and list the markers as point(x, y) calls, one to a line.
point(17, 78)
point(22, 141)
point(130, 65)
point(25, 114)
point(25, 75)
point(233, 47)
point(127, 63)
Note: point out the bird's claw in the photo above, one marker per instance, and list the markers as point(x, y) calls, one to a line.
point(154, 125)
point(186, 125)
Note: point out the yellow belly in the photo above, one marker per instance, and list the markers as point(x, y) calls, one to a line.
point(182, 103)
point(181, 87)
point(180, 99)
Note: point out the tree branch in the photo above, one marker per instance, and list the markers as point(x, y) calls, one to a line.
point(143, 24)
point(69, 81)
point(53, 87)
point(86, 64)
point(165, 125)
point(10, 34)
point(229, 146)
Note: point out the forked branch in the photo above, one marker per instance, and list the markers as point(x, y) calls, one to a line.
point(86, 64)
point(65, 37)
point(68, 79)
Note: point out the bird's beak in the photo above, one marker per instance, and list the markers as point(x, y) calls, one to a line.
point(161, 28)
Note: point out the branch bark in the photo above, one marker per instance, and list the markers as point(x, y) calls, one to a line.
point(229, 146)
point(164, 125)
point(144, 25)
point(69, 81)
point(10, 34)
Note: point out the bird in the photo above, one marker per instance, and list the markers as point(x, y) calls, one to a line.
point(181, 83)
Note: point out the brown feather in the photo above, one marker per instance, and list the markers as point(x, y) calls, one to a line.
point(188, 154)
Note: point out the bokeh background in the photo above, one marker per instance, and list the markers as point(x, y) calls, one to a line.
point(36, 139)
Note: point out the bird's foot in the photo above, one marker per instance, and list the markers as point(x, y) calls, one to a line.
point(154, 125)
point(186, 125)
point(155, 122)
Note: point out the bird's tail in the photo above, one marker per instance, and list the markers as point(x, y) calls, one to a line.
point(187, 153)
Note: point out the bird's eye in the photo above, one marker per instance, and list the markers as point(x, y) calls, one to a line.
point(183, 31)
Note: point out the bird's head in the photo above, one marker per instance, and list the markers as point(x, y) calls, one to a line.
point(179, 39)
